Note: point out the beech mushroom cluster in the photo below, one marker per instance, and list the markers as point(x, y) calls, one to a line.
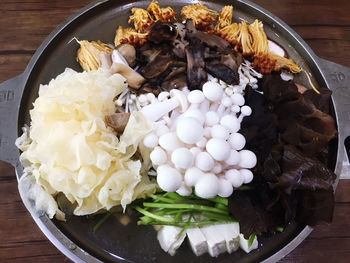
point(196, 142)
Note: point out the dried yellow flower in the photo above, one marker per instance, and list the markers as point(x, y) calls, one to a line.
point(129, 36)
point(260, 45)
point(225, 17)
point(166, 14)
point(201, 15)
point(141, 19)
point(88, 54)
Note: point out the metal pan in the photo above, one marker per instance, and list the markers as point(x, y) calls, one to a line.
point(114, 242)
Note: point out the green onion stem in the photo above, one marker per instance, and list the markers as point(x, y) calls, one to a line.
point(159, 218)
point(187, 206)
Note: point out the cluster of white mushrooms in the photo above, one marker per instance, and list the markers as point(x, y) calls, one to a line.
point(195, 140)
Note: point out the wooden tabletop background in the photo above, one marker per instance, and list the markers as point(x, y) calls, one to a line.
point(24, 24)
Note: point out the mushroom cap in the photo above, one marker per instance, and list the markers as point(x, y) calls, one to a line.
point(204, 161)
point(225, 188)
point(196, 96)
point(234, 177)
point(226, 101)
point(211, 118)
point(169, 141)
point(168, 178)
point(247, 175)
point(182, 158)
point(246, 110)
point(207, 186)
point(196, 114)
point(220, 132)
point(181, 97)
point(217, 168)
point(202, 143)
point(237, 99)
point(237, 141)
point(184, 190)
point(219, 149)
point(234, 158)
point(195, 151)
point(192, 176)
point(231, 122)
point(248, 159)
point(212, 91)
point(189, 130)
point(151, 140)
point(158, 156)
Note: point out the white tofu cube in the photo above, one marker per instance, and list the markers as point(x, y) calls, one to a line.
point(243, 244)
point(216, 242)
point(197, 241)
point(230, 232)
point(169, 239)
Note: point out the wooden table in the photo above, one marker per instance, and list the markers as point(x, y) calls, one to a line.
point(323, 24)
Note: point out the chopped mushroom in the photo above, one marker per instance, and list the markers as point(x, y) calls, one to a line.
point(118, 121)
point(133, 78)
point(128, 52)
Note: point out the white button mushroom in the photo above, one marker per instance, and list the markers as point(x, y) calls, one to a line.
point(207, 132)
point(212, 91)
point(237, 99)
point(225, 188)
point(189, 130)
point(237, 141)
point(235, 109)
point(169, 141)
point(202, 143)
point(184, 190)
point(158, 156)
point(181, 98)
point(195, 151)
point(248, 159)
point(234, 158)
point(245, 111)
point(231, 122)
point(196, 114)
point(219, 131)
point(161, 129)
point(192, 176)
point(151, 140)
point(163, 95)
point(219, 149)
point(182, 158)
point(226, 101)
point(211, 118)
point(247, 175)
point(234, 177)
point(217, 169)
point(204, 161)
point(169, 179)
point(207, 186)
point(196, 96)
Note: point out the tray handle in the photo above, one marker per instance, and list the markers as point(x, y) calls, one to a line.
point(10, 97)
point(338, 80)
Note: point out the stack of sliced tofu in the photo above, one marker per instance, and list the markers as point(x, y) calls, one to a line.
point(214, 239)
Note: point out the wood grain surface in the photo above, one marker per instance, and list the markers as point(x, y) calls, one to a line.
point(24, 24)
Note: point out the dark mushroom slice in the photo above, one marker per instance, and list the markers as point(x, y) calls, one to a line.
point(162, 32)
point(221, 71)
point(196, 75)
point(210, 40)
point(177, 82)
point(118, 121)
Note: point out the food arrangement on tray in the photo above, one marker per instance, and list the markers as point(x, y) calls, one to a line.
point(196, 124)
